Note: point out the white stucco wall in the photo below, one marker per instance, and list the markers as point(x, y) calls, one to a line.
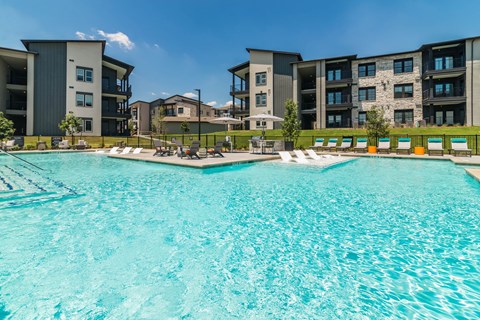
point(89, 55)
point(261, 62)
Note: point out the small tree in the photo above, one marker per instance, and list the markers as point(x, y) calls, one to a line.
point(291, 124)
point(70, 125)
point(158, 122)
point(6, 127)
point(131, 127)
point(185, 127)
point(377, 125)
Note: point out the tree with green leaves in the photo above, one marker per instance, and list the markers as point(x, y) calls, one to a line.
point(377, 125)
point(291, 125)
point(70, 125)
point(6, 127)
point(158, 122)
point(131, 127)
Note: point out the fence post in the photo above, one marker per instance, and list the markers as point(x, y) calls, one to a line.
point(206, 140)
point(214, 139)
point(313, 141)
point(234, 141)
point(138, 142)
point(476, 144)
point(151, 142)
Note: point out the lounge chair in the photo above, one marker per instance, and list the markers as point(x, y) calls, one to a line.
point(346, 144)
point(318, 143)
point(114, 150)
point(300, 154)
point(383, 145)
point(137, 151)
point(126, 150)
point(64, 144)
point(81, 145)
point(256, 145)
point(459, 145)
point(286, 157)
point(404, 144)
point(217, 149)
point(269, 144)
point(361, 145)
point(192, 152)
point(332, 144)
point(435, 145)
point(159, 150)
point(312, 154)
point(10, 144)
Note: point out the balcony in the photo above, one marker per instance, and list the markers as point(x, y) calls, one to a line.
point(442, 67)
point(17, 80)
point(119, 110)
point(338, 78)
point(444, 97)
point(16, 107)
point(309, 85)
point(339, 101)
point(239, 91)
point(117, 90)
point(308, 107)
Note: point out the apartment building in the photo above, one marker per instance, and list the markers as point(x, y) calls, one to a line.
point(436, 84)
point(262, 84)
point(39, 86)
point(176, 110)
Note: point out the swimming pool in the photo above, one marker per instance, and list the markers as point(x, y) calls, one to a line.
point(372, 238)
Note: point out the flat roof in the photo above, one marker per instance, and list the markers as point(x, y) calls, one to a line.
point(119, 63)
point(240, 66)
point(27, 42)
point(350, 57)
point(17, 50)
point(279, 52)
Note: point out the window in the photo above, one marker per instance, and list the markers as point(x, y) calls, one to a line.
point(87, 124)
point(334, 97)
point(362, 118)
point(403, 116)
point(84, 74)
point(261, 78)
point(365, 94)
point(443, 90)
point(366, 70)
point(261, 124)
point(334, 74)
point(443, 63)
point(261, 99)
point(84, 99)
point(180, 110)
point(403, 65)
point(403, 91)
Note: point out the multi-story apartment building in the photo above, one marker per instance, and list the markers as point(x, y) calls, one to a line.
point(436, 84)
point(176, 109)
point(262, 84)
point(38, 87)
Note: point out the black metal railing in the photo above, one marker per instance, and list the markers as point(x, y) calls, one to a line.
point(432, 93)
point(17, 79)
point(118, 89)
point(343, 99)
point(444, 63)
point(339, 74)
point(238, 88)
point(308, 105)
point(16, 105)
point(309, 85)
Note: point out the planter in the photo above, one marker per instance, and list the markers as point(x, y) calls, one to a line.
point(372, 149)
point(420, 151)
point(288, 145)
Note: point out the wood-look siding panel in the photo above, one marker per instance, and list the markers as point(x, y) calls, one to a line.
point(50, 87)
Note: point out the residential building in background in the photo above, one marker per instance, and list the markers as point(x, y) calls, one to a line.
point(39, 86)
point(175, 110)
point(261, 85)
point(436, 84)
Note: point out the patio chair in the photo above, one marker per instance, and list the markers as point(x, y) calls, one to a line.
point(435, 145)
point(346, 144)
point(404, 144)
point(332, 144)
point(383, 145)
point(126, 150)
point(361, 145)
point(114, 150)
point(256, 145)
point(300, 154)
point(312, 154)
point(286, 157)
point(318, 143)
point(64, 144)
point(137, 151)
point(81, 145)
point(191, 152)
point(159, 150)
point(269, 144)
point(217, 149)
point(459, 145)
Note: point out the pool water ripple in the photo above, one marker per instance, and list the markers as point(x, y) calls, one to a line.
point(374, 238)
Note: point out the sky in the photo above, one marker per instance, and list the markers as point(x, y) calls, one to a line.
point(177, 46)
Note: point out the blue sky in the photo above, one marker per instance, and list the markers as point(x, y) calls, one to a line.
point(177, 46)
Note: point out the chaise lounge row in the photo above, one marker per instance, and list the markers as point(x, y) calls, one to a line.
point(434, 145)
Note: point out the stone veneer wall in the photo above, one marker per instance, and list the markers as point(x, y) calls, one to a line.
point(384, 81)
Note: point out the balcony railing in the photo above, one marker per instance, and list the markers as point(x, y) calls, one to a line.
point(16, 105)
point(455, 92)
point(17, 79)
point(309, 85)
point(308, 105)
point(339, 74)
point(237, 89)
point(117, 89)
point(343, 99)
point(444, 63)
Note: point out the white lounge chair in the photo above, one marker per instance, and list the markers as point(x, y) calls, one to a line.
point(459, 145)
point(331, 145)
point(286, 157)
point(435, 145)
point(383, 145)
point(126, 150)
point(346, 144)
point(361, 145)
point(64, 144)
point(300, 154)
point(318, 143)
point(312, 154)
point(404, 144)
point(137, 150)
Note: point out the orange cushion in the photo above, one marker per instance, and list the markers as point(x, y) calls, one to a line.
point(210, 150)
point(187, 151)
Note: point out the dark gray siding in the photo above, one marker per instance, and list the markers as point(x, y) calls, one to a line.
point(50, 87)
point(111, 75)
point(282, 83)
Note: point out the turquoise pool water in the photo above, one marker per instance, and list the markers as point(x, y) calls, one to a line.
point(370, 239)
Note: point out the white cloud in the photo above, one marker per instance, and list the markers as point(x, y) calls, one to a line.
point(81, 35)
point(190, 95)
point(228, 103)
point(119, 37)
point(165, 93)
point(156, 45)
point(153, 93)
point(212, 103)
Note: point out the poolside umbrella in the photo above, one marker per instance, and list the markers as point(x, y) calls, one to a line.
point(264, 117)
point(226, 121)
